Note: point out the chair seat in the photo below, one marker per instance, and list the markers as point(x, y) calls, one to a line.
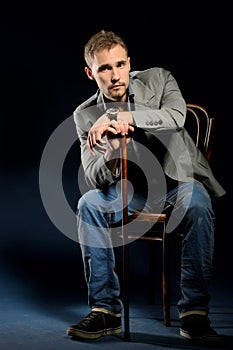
point(151, 217)
point(147, 220)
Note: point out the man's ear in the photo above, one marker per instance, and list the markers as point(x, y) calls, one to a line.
point(89, 73)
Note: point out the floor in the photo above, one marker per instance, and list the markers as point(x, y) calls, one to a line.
point(38, 321)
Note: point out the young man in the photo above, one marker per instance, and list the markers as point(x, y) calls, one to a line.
point(144, 106)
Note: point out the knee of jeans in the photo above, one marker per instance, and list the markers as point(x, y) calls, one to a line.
point(200, 209)
point(81, 203)
point(86, 201)
point(92, 201)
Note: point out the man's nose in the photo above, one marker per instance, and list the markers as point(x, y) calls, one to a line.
point(115, 74)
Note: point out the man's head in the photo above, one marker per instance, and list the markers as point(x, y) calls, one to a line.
point(108, 64)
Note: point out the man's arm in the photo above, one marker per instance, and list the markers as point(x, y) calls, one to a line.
point(100, 149)
point(159, 102)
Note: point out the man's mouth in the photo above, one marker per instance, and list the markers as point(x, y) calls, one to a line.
point(116, 86)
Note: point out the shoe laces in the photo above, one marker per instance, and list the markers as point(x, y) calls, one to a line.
point(91, 318)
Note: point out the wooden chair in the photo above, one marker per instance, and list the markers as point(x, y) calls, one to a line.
point(201, 127)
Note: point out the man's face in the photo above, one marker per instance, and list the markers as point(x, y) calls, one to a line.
point(110, 69)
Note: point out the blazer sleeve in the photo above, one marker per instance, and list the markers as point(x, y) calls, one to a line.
point(158, 100)
point(96, 172)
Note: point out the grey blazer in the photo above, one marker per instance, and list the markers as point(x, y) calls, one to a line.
point(159, 111)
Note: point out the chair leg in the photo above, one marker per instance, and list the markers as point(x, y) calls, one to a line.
point(165, 280)
point(126, 291)
point(152, 273)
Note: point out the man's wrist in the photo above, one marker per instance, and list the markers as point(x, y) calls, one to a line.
point(112, 113)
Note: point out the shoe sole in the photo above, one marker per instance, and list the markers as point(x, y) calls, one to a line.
point(92, 335)
point(208, 339)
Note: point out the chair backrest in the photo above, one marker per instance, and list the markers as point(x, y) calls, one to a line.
point(201, 127)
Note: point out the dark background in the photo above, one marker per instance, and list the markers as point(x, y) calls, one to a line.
point(42, 82)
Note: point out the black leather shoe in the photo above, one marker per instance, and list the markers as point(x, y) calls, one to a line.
point(95, 325)
point(197, 329)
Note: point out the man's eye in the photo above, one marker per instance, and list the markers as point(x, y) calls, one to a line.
point(102, 69)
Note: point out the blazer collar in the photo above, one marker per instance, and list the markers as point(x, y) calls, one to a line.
point(142, 94)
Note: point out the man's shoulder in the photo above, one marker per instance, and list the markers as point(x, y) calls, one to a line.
point(153, 78)
point(150, 72)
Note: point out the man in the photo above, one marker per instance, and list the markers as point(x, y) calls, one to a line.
point(146, 106)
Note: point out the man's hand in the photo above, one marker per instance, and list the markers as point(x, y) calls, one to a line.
point(104, 127)
point(123, 128)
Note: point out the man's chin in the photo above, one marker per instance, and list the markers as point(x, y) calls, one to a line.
point(118, 95)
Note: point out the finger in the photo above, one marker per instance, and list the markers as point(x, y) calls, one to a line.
point(88, 143)
point(114, 129)
point(130, 129)
point(100, 148)
point(119, 127)
point(98, 139)
point(89, 147)
point(124, 127)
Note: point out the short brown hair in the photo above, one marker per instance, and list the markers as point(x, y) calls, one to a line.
point(101, 41)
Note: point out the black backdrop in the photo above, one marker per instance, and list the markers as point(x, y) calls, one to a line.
point(42, 81)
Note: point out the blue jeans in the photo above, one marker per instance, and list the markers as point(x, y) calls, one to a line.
point(191, 213)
